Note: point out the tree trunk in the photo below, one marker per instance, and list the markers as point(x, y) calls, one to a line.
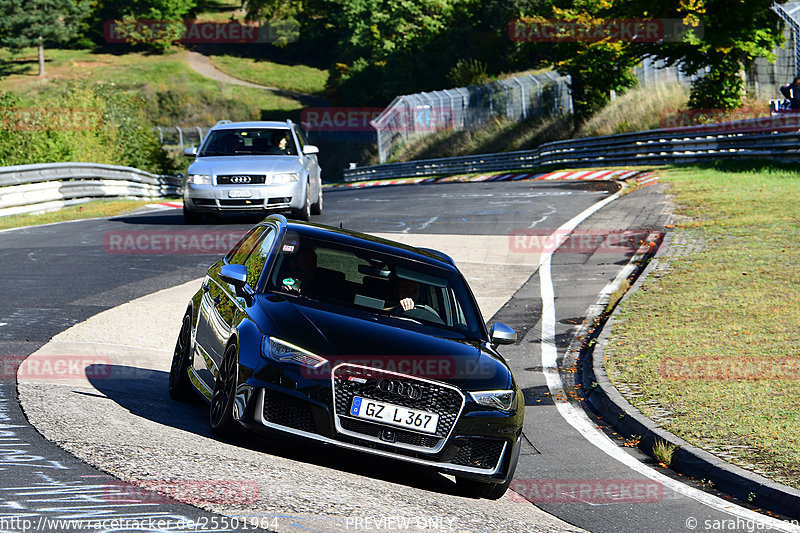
point(41, 56)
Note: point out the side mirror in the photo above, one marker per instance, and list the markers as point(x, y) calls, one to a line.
point(502, 334)
point(236, 275)
point(190, 152)
point(310, 149)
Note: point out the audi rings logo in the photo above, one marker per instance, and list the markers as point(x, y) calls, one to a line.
point(240, 179)
point(399, 388)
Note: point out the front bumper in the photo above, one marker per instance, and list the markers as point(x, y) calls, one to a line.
point(262, 198)
point(480, 444)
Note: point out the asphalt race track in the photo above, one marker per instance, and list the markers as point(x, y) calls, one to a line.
point(61, 275)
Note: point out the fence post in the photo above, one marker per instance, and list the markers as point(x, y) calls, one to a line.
point(508, 98)
point(160, 135)
point(522, 89)
point(538, 90)
point(180, 137)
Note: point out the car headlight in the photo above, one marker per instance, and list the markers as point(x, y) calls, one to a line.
point(199, 179)
point(496, 399)
point(282, 178)
point(285, 352)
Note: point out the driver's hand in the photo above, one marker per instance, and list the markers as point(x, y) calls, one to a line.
point(407, 304)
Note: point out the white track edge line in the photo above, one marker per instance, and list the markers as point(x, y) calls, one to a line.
point(578, 419)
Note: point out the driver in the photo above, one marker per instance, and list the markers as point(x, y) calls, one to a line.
point(405, 291)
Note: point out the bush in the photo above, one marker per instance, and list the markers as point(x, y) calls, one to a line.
point(95, 124)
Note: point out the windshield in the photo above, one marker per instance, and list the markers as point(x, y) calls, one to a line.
point(250, 141)
point(376, 283)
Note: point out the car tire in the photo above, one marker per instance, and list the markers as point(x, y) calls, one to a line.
point(191, 217)
point(180, 386)
point(223, 399)
point(304, 213)
point(483, 489)
point(316, 207)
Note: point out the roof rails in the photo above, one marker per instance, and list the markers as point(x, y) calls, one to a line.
point(222, 122)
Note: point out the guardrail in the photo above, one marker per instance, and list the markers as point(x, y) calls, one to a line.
point(776, 138)
point(42, 187)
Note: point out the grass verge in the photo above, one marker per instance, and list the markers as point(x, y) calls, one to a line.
point(300, 78)
point(174, 93)
point(712, 337)
point(92, 209)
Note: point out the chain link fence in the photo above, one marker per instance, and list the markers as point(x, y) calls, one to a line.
point(463, 108)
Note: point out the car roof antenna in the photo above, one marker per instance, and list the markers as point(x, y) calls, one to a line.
point(341, 225)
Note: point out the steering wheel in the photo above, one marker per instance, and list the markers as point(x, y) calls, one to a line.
point(424, 312)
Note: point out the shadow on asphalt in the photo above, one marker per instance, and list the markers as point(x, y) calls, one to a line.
point(174, 217)
point(144, 393)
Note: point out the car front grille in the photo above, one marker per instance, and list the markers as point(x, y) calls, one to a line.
point(242, 179)
point(402, 436)
point(479, 453)
point(242, 203)
point(353, 380)
point(204, 201)
point(280, 200)
point(285, 410)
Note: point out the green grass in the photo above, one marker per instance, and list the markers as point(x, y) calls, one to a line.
point(175, 93)
point(92, 209)
point(299, 78)
point(639, 109)
point(727, 317)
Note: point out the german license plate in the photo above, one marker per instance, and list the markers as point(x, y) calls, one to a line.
point(396, 415)
point(240, 193)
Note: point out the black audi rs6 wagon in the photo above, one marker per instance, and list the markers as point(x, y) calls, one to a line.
point(355, 341)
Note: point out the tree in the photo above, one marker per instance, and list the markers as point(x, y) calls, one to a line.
point(127, 15)
point(725, 37)
point(575, 42)
point(25, 23)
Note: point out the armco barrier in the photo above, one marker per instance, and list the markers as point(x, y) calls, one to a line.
point(775, 138)
point(29, 188)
